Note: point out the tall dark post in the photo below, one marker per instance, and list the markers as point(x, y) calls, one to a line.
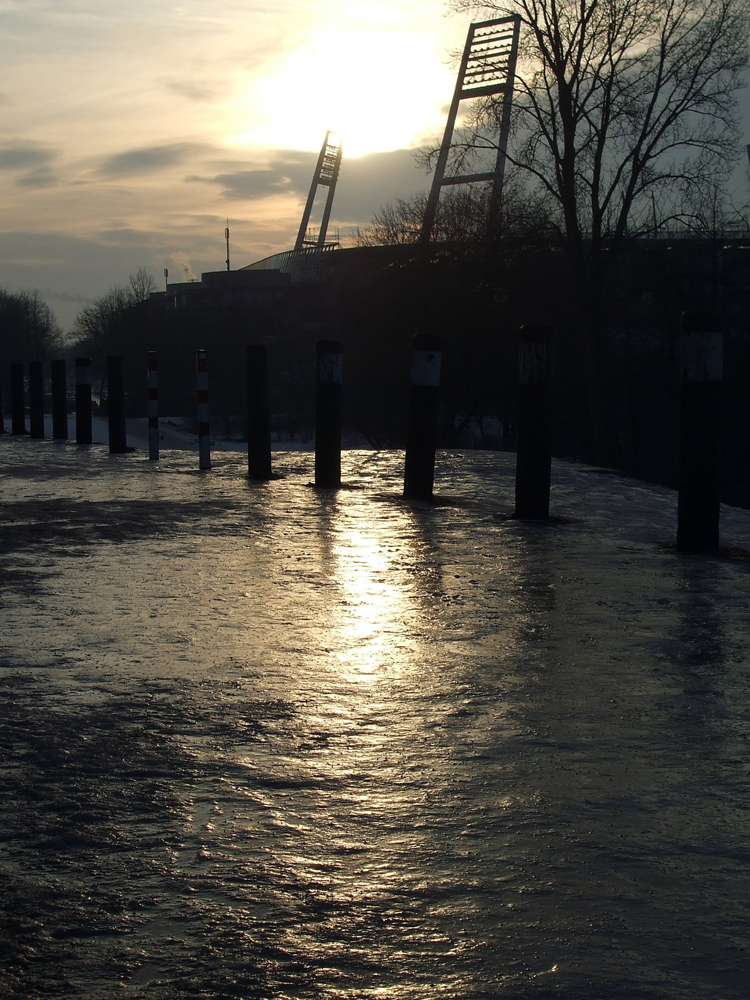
point(534, 448)
point(328, 397)
point(152, 391)
point(17, 401)
point(83, 401)
point(59, 401)
point(421, 438)
point(204, 421)
point(700, 414)
point(36, 399)
point(116, 400)
point(258, 412)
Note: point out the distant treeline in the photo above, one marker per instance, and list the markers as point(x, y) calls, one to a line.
point(29, 330)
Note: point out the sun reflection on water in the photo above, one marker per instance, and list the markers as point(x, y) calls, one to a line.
point(376, 594)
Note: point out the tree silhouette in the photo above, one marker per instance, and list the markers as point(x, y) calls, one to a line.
point(29, 330)
point(620, 105)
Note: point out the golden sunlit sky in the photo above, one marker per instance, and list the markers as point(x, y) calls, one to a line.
point(131, 132)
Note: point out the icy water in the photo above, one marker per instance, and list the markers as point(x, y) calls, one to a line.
point(259, 740)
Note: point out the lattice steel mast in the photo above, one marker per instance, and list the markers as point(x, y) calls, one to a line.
point(488, 67)
point(326, 174)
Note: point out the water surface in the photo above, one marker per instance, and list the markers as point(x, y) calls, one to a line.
point(260, 740)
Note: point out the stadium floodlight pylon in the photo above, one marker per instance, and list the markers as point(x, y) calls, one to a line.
point(488, 68)
point(326, 174)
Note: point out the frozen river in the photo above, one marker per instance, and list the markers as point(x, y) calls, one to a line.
point(259, 740)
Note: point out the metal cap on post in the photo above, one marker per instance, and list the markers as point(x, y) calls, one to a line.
point(421, 441)
point(534, 448)
point(258, 412)
point(698, 506)
point(83, 401)
point(328, 401)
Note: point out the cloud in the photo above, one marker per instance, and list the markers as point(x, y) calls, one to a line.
point(128, 237)
point(369, 182)
point(148, 159)
point(250, 185)
point(41, 178)
point(193, 91)
point(53, 295)
point(288, 172)
point(25, 156)
point(366, 183)
point(296, 168)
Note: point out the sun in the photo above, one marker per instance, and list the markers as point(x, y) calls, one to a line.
point(379, 89)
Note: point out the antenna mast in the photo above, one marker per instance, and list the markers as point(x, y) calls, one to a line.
point(226, 236)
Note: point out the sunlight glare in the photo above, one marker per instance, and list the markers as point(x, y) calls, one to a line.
point(380, 89)
point(375, 600)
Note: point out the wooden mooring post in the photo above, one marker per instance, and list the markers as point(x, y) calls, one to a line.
point(534, 443)
point(258, 412)
point(328, 402)
point(421, 438)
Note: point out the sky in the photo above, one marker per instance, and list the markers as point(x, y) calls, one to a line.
point(130, 133)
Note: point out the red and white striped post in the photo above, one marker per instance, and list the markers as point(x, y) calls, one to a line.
point(153, 408)
point(204, 429)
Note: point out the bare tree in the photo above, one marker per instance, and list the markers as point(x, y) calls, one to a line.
point(140, 285)
point(618, 103)
point(461, 217)
point(625, 113)
point(96, 325)
point(393, 224)
point(93, 325)
point(29, 330)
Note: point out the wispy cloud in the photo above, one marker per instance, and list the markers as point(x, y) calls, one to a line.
point(147, 159)
point(192, 90)
point(25, 156)
point(288, 173)
point(42, 178)
point(129, 237)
